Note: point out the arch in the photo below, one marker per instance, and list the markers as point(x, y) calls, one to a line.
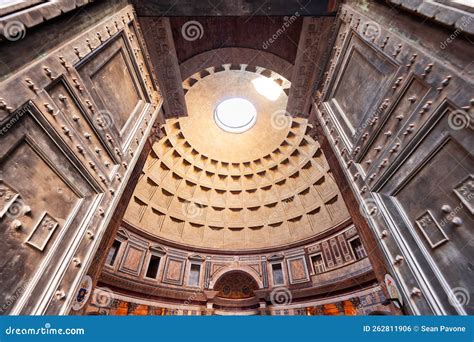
point(235, 55)
point(228, 269)
point(236, 285)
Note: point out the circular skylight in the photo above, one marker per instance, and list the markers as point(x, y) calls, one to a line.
point(235, 115)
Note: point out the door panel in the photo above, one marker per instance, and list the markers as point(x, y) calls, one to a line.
point(72, 125)
point(398, 112)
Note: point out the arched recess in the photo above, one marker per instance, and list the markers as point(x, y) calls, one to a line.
point(236, 285)
point(245, 269)
point(235, 55)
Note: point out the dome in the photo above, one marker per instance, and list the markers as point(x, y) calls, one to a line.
point(205, 186)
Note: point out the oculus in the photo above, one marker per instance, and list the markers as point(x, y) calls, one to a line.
point(235, 115)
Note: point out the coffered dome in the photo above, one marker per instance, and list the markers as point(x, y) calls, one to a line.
point(206, 187)
point(207, 91)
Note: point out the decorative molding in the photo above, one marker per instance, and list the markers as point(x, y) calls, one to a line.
point(165, 62)
point(36, 12)
point(308, 64)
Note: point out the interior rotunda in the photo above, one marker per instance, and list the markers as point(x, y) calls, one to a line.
point(236, 158)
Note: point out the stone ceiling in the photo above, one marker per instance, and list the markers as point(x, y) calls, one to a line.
point(172, 8)
point(205, 136)
point(244, 32)
point(266, 187)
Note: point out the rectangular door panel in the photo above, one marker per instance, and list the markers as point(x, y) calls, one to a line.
point(73, 123)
